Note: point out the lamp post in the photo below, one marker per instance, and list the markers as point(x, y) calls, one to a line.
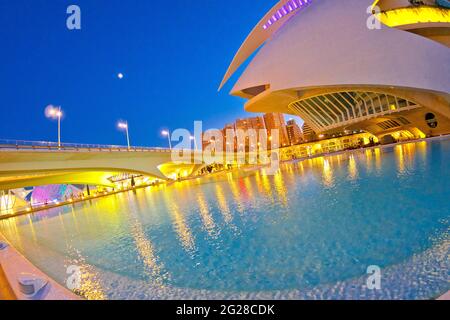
point(167, 133)
point(55, 113)
point(124, 126)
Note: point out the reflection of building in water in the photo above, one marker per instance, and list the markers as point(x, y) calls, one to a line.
point(179, 223)
point(223, 205)
point(205, 214)
point(152, 267)
point(352, 168)
point(328, 177)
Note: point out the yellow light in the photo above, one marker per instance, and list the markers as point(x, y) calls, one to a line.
point(393, 107)
point(408, 16)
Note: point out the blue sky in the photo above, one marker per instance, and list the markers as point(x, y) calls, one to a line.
point(173, 55)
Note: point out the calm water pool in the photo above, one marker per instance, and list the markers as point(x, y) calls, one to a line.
point(311, 231)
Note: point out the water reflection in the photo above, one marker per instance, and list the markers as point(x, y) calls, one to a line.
point(235, 193)
point(181, 228)
point(153, 267)
point(205, 215)
point(90, 286)
point(208, 231)
point(352, 168)
point(281, 189)
point(328, 178)
point(265, 183)
point(377, 153)
point(223, 205)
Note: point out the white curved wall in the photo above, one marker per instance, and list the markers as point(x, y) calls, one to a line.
point(329, 44)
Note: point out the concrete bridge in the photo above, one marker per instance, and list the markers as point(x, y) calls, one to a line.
point(24, 164)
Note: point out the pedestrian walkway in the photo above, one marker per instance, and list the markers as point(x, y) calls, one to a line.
point(5, 290)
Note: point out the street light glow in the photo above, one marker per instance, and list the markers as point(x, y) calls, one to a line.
point(166, 133)
point(53, 112)
point(124, 125)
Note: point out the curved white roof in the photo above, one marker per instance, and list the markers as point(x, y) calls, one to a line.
point(265, 28)
point(329, 44)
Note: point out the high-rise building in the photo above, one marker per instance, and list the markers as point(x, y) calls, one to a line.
point(294, 132)
point(254, 123)
point(276, 121)
point(229, 139)
point(308, 132)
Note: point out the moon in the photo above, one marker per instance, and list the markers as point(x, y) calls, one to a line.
point(120, 75)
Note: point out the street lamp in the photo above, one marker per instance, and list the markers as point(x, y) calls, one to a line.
point(124, 126)
point(167, 133)
point(52, 112)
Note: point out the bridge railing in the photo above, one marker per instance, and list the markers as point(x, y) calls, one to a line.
point(53, 146)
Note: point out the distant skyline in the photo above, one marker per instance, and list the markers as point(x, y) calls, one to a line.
point(171, 61)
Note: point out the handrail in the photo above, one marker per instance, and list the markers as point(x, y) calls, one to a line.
point(53, 146)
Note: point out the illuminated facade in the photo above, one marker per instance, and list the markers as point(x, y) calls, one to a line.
point(256, 123)
point(351, 65)
point(308, 132)
point(319, 148)
point(275, 121)
point(294, 132)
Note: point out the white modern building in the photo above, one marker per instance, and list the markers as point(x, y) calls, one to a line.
point(380, 66)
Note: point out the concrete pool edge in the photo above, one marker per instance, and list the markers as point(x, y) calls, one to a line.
point(445, 296)
point(13, 264)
